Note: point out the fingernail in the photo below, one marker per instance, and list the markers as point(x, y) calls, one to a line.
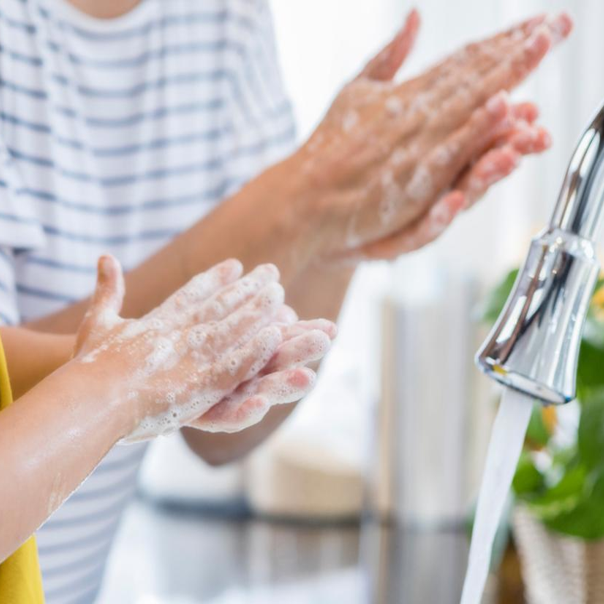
point(512, 155)
point(535, 21)
point(103, 266)
point(560, 27)
point(498, 104)
point(458, 202)
point(413, 14)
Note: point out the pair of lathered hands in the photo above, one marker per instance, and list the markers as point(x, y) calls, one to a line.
point(395, 163)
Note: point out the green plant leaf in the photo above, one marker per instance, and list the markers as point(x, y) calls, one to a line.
point(528, 481)
point(590, 371)
point(537, 432)
point(586, 518)
point(496, 299)
point(561, 497)
point(593, 332)
point(590, 438)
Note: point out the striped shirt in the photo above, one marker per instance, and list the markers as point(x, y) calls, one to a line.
point(115, 136)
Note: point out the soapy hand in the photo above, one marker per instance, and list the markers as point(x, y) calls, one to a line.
point(280, 382)
point(216, 355)
point(391, 165)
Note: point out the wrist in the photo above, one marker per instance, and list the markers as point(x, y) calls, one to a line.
point(96, 390)
point(297, 200)
point(325, 202)
point(271, 219)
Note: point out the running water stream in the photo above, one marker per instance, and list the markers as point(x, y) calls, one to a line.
point(505, 447)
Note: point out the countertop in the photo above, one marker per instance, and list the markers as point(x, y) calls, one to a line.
point(166, 556)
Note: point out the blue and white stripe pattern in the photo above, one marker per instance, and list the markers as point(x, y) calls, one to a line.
point(115, 136)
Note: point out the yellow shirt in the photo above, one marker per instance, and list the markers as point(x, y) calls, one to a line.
point(20, 579)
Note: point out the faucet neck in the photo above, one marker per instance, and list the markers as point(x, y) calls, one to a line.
point(579, 206)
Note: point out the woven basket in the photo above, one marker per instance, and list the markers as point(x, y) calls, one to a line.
point(558, 569)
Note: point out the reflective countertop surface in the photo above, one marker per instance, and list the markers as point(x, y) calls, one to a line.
point(166, 556)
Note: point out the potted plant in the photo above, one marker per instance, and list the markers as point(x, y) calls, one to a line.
point(558, 519)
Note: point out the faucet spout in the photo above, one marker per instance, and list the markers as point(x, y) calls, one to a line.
point(579, 207)
point(534, 345)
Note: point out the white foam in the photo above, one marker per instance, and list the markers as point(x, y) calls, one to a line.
point(267, 340)
point(421, 185)
point(443, 155)
point(422, 104)
point(400, 156)
point(197, 337)
point(350, 120)
point(108, 319)
point(133, 329)
point(394, 106)
point(392, 195)
point(162, 358)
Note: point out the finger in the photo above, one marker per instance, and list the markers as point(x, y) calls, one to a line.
point(249, 404)
point(527, 112)
point(243, 364)
point(233, 414)
point(301, 327)
point(474, 59)
point(207, 389)
point(524, 27)
point(181, 306)
point(241, 325)
point(286, 316)
point(107, 299)
point(388, 61)
point(495, 165)
point(461, 83)
point(301, 350)
point(523, 61)
point(109, 293)
point(438, 171)
point(560, 27)
point(508, 75)
point(528, 140)
point(422, 232)
point(226, 300)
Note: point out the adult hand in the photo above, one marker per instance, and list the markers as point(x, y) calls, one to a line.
point(392, 164)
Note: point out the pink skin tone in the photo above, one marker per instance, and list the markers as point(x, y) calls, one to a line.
point(385, 173)
point(105, 9)
point(218, 336)
point(224, 373)
point(388, 169)
point(432, 136)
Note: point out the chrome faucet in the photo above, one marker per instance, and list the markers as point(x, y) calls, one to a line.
point(534, 345)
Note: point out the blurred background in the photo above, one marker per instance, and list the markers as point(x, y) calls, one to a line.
point(397, 429)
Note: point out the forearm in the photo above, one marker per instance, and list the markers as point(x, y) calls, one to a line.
point(50, 440)
point(264, 222)
point(318, 292)
point(32, 356)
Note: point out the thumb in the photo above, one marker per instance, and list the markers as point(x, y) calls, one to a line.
point(388, 61)
point(106, 301)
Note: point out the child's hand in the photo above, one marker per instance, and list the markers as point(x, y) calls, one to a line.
point(173, 366)
point(284, 380)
